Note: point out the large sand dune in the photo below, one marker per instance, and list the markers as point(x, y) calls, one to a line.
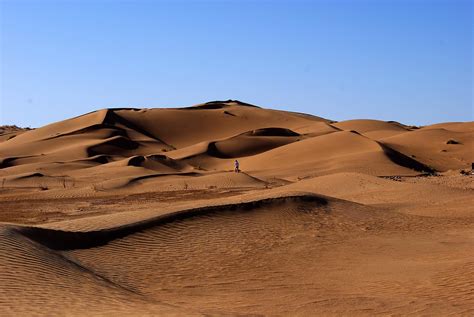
point(139, 212)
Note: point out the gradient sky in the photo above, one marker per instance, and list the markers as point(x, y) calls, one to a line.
point(409, 61)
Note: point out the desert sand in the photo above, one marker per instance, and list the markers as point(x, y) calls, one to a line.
point(139, 212)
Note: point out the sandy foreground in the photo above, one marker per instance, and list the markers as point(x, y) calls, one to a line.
point(139, 212)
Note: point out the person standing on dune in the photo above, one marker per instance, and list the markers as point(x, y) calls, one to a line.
point(236, 164)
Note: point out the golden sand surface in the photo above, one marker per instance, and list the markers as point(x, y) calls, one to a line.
point(139, 212)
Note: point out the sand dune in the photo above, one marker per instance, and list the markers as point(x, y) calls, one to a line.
point(8, 132)
point(334, 152)
point(211, 121)
point(452, 126)
point(374, 129)
point(439, 148)
point(253, 142)
point(216, 132)
point(403, 196)
point(192, 261)
point(139, 212)
point(44, 278)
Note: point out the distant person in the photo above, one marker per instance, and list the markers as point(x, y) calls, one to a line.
point(236, 166)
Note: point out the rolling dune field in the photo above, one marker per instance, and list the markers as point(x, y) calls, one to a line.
point(138, 212)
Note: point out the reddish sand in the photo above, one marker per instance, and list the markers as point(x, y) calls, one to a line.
point(139, 212)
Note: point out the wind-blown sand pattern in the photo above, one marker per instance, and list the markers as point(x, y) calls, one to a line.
point(139, 212)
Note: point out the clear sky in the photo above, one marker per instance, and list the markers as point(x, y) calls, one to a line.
point(409, 61)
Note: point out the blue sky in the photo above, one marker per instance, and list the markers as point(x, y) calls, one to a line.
point(409, 61)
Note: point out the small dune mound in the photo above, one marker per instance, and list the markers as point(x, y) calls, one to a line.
point(366, 125)
point(316, 129)
point(167, 161)
point(208, 106)
point(34, 181)
point(374, 129)
point(8, 132)
point(252, 142)
point(95, 128)
point(100, 158)
point(121, 173)
point(245, 144)
point(272, 132)
point(7, 162)
point(27, 175)
point(453, 142)
point(117, 145)
point(341, 151)
point(439, 148)
point(405, 161)
point(152, 162)
point(452, 126)
point(213, 105)
point(11, 128)
point(135, 161)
